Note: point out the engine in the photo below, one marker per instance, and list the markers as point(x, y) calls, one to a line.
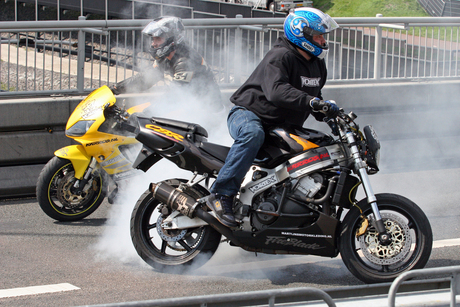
point(266, 204)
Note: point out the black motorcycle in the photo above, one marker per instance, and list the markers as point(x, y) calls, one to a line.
point(297, 198)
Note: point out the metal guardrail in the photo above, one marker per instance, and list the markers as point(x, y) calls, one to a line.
point(453, 271)
point(74, 57)
point(255, 298)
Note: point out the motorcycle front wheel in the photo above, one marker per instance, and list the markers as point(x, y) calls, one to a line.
point(411, 240)
point(169, 250)
point(54, 192)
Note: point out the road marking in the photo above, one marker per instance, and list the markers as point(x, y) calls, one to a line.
point(37, 290)
point(295, 260)
point(446, 243)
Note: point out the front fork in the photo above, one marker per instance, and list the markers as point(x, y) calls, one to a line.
point(79, 184)
point(361, 166)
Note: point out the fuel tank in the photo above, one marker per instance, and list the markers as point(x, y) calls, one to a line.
point(284, 143)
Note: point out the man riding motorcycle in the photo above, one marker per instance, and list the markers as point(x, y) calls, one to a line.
point(280, 91)
point(174, 58)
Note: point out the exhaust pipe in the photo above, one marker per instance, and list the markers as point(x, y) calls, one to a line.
point(188, 206)
point(174, 198)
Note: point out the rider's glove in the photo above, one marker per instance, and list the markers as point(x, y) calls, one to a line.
point(327, 107)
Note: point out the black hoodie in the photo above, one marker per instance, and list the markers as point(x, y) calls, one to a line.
point(282, 85)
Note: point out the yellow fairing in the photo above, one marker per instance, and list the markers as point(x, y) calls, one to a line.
point(113, 161)
point(77, 155)
point(101, 144)
point(92, 107)
point(139, 108)
point(303, 142)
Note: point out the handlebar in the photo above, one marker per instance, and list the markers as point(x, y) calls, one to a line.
point(118, 113)
point(319, 105)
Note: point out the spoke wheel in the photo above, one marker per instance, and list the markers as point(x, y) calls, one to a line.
point(411, 240)
point(166, 249)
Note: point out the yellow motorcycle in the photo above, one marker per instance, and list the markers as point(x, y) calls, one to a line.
point(76, 180)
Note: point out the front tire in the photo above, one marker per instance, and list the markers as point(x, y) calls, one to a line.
point(411, 235)
point(170, 249)
point(56, 199)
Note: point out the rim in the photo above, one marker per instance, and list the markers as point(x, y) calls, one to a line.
point(169, 246)
point(67, 203)
point(400, 253)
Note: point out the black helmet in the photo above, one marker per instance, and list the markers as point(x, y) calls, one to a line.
point(171, 29)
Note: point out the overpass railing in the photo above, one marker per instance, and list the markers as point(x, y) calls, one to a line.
point(74, 57)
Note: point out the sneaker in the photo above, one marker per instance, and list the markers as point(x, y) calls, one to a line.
point(222, 206)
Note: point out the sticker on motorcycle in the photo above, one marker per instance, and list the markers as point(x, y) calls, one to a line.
point(308, 235)
point(292, 242)
point(62, 151)
point(309, 159)
point(269, 181)
point(102, 142)
point(165, 132)
point(90, 109)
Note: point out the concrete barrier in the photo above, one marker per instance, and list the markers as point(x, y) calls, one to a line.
point(417, 123)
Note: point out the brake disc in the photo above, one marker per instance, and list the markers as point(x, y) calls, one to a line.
point(65, 196)
point(169, 235)
point(398, 249)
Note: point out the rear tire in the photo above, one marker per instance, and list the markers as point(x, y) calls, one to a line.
point(56, 199)
point(167, 250)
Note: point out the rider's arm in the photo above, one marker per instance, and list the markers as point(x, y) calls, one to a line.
point(139, 82)
point(282, 87)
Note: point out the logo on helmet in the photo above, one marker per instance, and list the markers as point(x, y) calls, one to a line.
point(308, 47)
point(297, 25)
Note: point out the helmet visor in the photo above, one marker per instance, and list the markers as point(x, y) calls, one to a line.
point(323, 25)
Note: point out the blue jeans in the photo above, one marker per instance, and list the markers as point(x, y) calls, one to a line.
point(247, 131)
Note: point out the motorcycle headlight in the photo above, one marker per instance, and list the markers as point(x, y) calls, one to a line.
point(373, 147)
point(79, 128)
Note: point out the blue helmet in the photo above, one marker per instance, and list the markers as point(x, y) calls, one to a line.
point(303, 23)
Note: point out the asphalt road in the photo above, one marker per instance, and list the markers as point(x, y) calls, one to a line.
point(96, 255)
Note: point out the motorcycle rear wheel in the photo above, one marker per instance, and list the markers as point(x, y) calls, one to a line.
point(56, 199)
point(170, 250)
point(411, 235)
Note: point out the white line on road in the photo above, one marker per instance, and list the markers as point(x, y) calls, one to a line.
point(37, 290)
point(230, 268)
point(446, 243)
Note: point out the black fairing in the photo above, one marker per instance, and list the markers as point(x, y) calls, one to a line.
point(318, 238)
point(178, 142)
point(185, 145)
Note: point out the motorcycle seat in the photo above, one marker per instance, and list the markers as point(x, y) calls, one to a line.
point(189, 127)
point(215, 150)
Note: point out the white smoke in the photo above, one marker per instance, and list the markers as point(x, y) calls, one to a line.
point(115, 243)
